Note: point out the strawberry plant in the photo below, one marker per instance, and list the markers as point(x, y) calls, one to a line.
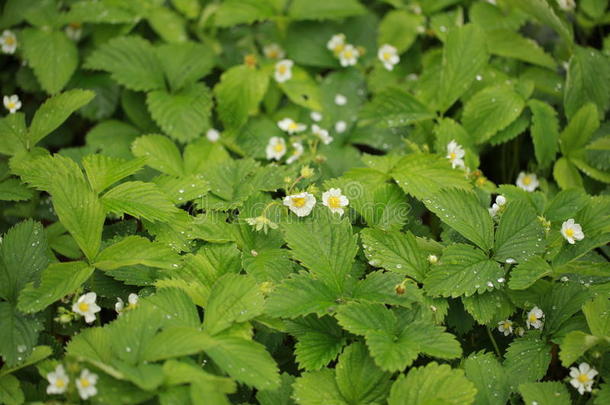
point(305, 202)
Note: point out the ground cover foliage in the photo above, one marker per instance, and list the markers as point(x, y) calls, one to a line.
point(305, 202)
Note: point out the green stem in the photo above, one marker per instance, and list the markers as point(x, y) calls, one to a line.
point(493, 341)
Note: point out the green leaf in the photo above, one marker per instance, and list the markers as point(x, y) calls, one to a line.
point(489, 378)
point(18, 334)
point(575, 344)
point(362, 317)
point(246, 361)
point(325, 246)
point(462, 211)
point(14, 190)
point(520, 234)
point(464, 56)
point(423, 175)
point(490, 307)
point(233, 12)
point(395, 251)
point(320, 340)
point(432, 384)
point(234, 298)
point(588, 80)
point(491, 110)
point(141, 200)
point(175, 341)
point(13, 134)
point(566, 174)
point(599, 175)
point(508, 43)
point(55, 111)
point(462, 270)
point(39, 353)
point(280, 396)
point(359, 380)
point(132, 62)
point(183, 115)
point(301, 89)
point(300, 295)
point(595, 311)
point(186, 63)
point(52, 56)
point(527, 359)
point(544, 13)
point(167, 24)
point(183, 189)
point(201, 156)
point(10, 390)
point(239, 93)
point(134, 250)
point(318, 388)
point(580, 129)
point(544, 131)
point(394, 107)
point(528, 272)
point(399, 28)
point(56, 281)
point(545, 393)
point(321, 10)
point(565, 204)
point(103, 171)
point(563, 301)
point(23, 255)
point(160, 153)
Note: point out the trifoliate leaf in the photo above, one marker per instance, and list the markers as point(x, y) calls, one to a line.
point(326, 246)
point(520, 234)
point(133, 250)
point(320, 340)
point(432, 384)
point(322, 10)
point(55, 111)
point(185, 63)
point(56, 281)
point(132, 62)
point(527, 359)
point(183, 115)
point(394, 107)
point(423, 175)
point(52, 56)
point(462, 270)
point(545, 393)
point(238, 94)
point(491, 110)
point(462, 211)
point(528, 272)
point(103, 171)
point(139, 199)
point(395, 251)
point(489, 377)
point(160, 153)
point(300, 295)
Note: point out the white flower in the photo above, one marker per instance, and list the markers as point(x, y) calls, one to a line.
point(8, 41)
point(322, 134)
point(455, 154)
point(86, 384)
point(297, 153)
point(582, 377)
point(58, 381)
point(432, 259)
point(572, 231)
point(335, 201)
point(74, 31)
point(388, 55)
point(290, 126)
point(505, 327)
point(212, 134)
point(340, 126)
point(534, 318)
point(283, 70)
point(567, 5)
point(261, 223)
point(527, 181)
point(273, 51)
point(276, 148)
point(301, 204)
point(340, 99)
point(12, 103)
point(132, 300)
point(497, 206)
point(349, 55)
point(336, 43)
point(316, 116)
point(86, 306)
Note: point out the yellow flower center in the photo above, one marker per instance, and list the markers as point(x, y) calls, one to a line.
point(278, 147)
point(60, 383)
point(348, 54)
point(298, 201)
point(452, 155)
point(9, 40)
point(533, 318)
point(83, 307)
point(75, 25)
point(569, 232)
point(282, 69)
point(527, 180)
point(293, 126)
point(506, 325)
point(250, 60)
point(583, 378)
point(273, 53)
point(84, 382)
point(11, 104)
point(339, 48)
point(334, 202)
point(387, 55)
